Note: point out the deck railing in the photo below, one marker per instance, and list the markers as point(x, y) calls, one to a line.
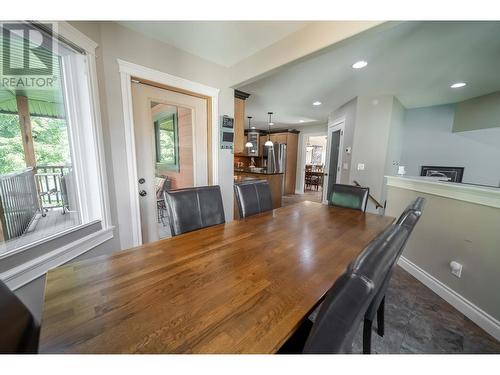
point(18, 202)
point(26, 192)
point(51, 185)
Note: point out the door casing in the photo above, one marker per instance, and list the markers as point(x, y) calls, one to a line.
point(338, 125)
point(127, 71)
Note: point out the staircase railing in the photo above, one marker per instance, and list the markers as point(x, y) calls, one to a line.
point(372, 198)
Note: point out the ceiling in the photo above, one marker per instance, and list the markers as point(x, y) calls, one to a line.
point(415, 61)
point(222, 42)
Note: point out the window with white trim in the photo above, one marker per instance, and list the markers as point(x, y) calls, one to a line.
point(51, 184)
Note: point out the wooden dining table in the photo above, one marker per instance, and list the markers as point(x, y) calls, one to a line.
point(240, 287)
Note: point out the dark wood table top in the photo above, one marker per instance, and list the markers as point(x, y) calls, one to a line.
point(240, 287)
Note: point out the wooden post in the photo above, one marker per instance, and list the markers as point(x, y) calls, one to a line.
point(25, 124)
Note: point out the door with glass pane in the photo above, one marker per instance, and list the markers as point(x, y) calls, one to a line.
point(333, 159)
point(170, 131)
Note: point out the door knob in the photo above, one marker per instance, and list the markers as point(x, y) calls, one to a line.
point(143, 193)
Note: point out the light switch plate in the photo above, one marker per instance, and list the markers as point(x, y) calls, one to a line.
point(345, 166)
point(361, 167)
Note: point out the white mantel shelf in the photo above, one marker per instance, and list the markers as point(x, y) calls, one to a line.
point(487, 196)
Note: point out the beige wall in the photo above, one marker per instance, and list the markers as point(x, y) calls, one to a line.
point(455, 230)
point(371, 136)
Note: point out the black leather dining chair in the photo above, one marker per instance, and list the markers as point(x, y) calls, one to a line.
point(340, 314)
point(253, 197)
point(19, 330)
point(373, 263)
point(376, 262)
point(407, 220)
point(194, 208)
point(412, 213)
point(349, 196)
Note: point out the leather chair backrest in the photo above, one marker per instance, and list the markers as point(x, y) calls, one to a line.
point(407, 220)
point(349, 196)
point(340, 315)
point(194, 208)
point(412, 213)
point(418, 204)
point(18, 329)
point(253, 197)
point(376, 259)
point(377, 262)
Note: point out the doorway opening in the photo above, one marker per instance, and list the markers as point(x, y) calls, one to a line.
point(314, 166)
point(333, 158)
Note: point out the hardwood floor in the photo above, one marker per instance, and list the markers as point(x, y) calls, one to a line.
point(313, 196)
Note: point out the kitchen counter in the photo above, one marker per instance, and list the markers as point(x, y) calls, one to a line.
point(238, 179)
point(250, 171)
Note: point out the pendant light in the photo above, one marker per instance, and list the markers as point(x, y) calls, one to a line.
point(269, 143)
point(249, 144)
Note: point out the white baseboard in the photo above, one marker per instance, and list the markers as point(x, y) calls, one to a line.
point(471, 311)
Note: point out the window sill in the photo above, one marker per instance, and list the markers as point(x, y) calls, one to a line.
point(22, 274)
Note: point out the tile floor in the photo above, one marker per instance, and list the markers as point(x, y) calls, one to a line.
point(419, 321)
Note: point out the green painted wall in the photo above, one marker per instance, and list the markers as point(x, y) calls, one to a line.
point(482, 112)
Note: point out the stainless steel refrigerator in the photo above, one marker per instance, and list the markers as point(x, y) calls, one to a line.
point(276, 160)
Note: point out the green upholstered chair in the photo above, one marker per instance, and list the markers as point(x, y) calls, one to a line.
point(349, 196)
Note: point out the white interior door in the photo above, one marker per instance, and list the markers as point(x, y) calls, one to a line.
point(170, 130)
point(333, 165)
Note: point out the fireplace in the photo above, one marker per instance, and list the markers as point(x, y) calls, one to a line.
point(453, 174)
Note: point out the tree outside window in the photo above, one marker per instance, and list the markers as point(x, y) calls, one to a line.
point(167, 144)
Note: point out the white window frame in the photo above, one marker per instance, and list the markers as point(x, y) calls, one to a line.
point(22, 274)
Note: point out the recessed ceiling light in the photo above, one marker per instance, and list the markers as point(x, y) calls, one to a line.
point(317, 103)
point(458, 85)
point(359, 64)
point(301, 120)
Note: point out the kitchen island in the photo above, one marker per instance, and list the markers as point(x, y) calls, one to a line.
point(275, 181)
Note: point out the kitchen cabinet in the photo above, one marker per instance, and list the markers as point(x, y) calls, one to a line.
point(239, 126)
point(291, 139)
point(239, 121)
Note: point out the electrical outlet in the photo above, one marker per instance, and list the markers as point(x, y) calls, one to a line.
point(361, 167)
point(456, 269)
